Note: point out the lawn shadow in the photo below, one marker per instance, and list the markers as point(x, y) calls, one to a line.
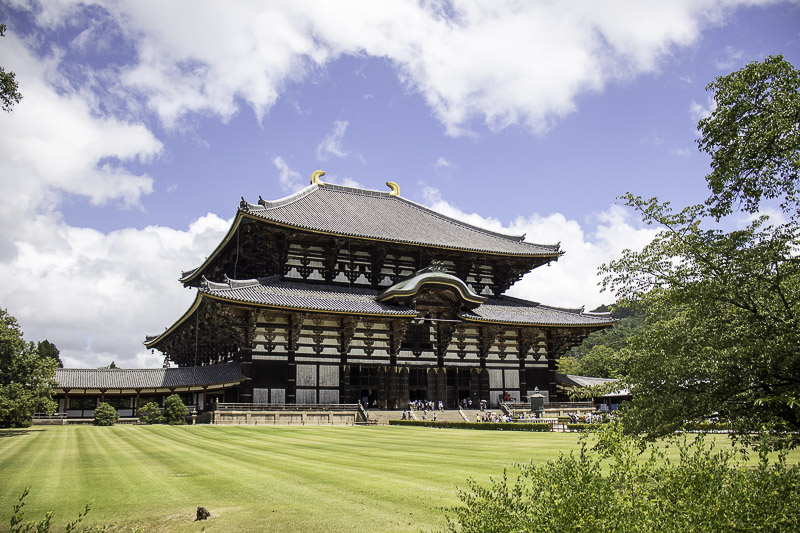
point(16, 432)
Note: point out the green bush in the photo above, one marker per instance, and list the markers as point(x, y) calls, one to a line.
point(622, 485)
point(150, 413)
point(105, 415)
point(497, 426)
point(581, 427)
point(175, 412)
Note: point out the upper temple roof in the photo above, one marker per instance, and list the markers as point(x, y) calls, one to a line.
point(348, 211)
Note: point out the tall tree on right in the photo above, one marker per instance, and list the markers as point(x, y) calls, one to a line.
point(723, 307)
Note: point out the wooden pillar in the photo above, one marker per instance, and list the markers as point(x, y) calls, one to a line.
point(523, 386)
point(383, 387)
point(205, 391)
point(441, 385)
point(66, 400)
point(136, 403)
point(102, 395)
point(394, 388)
point(403, 396)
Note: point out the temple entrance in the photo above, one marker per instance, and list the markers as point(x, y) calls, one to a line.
point(417, 384)
point(458, 386)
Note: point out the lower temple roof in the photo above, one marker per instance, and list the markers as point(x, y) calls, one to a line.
point(147, 378)
point(273, 292)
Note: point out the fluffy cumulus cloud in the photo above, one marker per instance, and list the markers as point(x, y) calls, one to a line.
point(93, 294)
point(96, 295)
point(571, 281)
point(499, 62)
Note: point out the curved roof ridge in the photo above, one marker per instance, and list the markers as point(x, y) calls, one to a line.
point(263, 205)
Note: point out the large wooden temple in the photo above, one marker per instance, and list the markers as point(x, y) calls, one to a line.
point(342, 295)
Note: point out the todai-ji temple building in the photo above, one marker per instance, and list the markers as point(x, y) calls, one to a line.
point(341, 295)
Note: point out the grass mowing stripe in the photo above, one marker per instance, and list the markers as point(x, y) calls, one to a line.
point(260, 478)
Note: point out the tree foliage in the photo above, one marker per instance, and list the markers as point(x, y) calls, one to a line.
point(722, 336)
point(175, 412)
point(105, 415)
point(614, 487)
point(26, 379)
point(9, 88)
point(599, 354)
point(753, 137)
point(48, 349)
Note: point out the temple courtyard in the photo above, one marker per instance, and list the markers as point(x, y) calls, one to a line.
point(153, 478)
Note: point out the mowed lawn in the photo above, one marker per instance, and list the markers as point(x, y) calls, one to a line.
point(256, 478)
point(152, 478)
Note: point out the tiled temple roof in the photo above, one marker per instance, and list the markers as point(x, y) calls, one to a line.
point(348, 211)
point(147, 378)
point(509, 310)
point(586, 381)
point(273, 292)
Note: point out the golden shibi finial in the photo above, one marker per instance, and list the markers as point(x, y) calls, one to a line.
point(315, 177)
point(394, 187)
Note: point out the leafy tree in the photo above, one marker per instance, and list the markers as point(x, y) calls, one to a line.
point(150, 413)
point(105, 415)
point(614, 487)
point(26, 379)
point(48, 349)
point(722, 336)
point(9, 89)
point(175, 412)
point(599, 354)
point(753, 137)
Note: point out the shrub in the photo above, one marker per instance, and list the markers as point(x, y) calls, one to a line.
point(105, 415)
point(581, 426)
point(497, 426)
point(175, 412)
point(621, 485)
point(150, 413)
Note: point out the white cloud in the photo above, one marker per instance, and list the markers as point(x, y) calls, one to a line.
point(652, 138)
point(97, 295)
point(56, 143)
point(571, 281)
point(290, 180)
point(492, 61)
point(682, 152)
point(94, 295)
point(733, 57)
point(332, 143)
point(443, 163)
point(697, 112)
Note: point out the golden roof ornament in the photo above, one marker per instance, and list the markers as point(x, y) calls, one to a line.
point(315, 177)
point(394, 187)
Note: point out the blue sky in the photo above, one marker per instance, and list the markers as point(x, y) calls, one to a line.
point(143, 123)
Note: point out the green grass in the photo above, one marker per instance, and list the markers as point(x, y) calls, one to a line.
point(257, 478)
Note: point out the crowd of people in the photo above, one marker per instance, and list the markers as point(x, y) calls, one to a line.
point(587, 418)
